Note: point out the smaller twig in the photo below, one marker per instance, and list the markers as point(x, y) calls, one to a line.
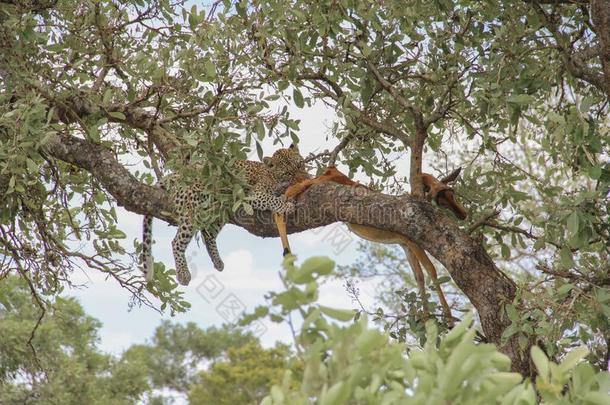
point(333, 155)
point(597, 281)
point(40, 304)
point(212, 11)
point(100, 79)
point(487, 215)
point(294, 334)
point(514, 229)
point(153, 159)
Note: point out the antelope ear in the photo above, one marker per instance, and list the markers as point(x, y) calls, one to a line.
point(452, 176)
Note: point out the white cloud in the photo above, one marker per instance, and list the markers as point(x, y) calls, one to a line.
point(240, 260)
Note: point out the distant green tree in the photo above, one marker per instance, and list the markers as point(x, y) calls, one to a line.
point(244, 377)
point(177, 353)
point(58, 362)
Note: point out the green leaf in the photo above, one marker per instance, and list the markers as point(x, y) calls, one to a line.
point(193, 20)
point(11, 183)
point(595, 172)
point(505, 251)
point(541, 362)
point(586, 104)
point(573, 223)
point(596, 398)
point(107, 96)
point(282, 85)
point(210, 69)
point(510, 331)
point(565, 257)
point(521, 99)
point(318, 264)
point(564, 289)
point(299, 277)
point(443, 279)
point(260, 129)
point(117, 114)
point(298, 98)
point(366, 89)
point(32, 166)
point(369, 340)
point(259, 151)
point(337, 394)
point(277, 395)
point(572, 358)
point(342, 315)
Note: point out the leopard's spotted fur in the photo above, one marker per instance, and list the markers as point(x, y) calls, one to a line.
point(262, 179)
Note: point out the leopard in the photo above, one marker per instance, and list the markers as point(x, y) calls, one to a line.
point(261, 179)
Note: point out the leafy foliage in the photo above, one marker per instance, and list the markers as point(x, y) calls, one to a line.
point(96, 71)
point(512, 91)
point(176, 353)
point(357, 364)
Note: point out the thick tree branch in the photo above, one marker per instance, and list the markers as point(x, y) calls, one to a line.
point(116, 179)
point(417, 151)
point(469, 265)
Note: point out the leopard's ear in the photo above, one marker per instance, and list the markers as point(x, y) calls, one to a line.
point(267, 161)
point(294, 146)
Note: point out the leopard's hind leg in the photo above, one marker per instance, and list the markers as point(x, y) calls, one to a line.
point(209, 238)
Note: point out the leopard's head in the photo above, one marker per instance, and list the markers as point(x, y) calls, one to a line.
point(287, 164)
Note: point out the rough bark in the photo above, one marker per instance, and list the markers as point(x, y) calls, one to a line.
point(116, 179)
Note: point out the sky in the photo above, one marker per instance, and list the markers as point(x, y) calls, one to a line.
point(252, 266)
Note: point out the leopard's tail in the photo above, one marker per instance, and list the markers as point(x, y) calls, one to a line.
point(146, 259)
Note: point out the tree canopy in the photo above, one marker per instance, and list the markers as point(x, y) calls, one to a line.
point(100, 98)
